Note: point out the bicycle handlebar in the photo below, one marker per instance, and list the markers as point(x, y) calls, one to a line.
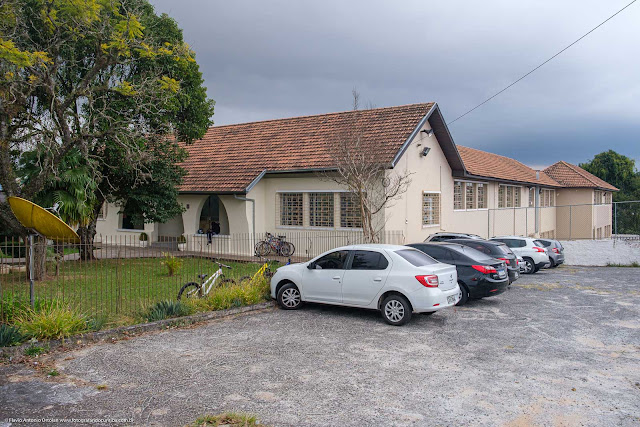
point(220, 264)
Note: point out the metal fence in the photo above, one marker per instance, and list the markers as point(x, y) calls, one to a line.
point(567, 222)
point(125, 275)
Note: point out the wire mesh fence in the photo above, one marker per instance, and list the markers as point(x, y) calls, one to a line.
point(620, 220)
point(119, 276)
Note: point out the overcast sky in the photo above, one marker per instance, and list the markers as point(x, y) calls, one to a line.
point(264, 60)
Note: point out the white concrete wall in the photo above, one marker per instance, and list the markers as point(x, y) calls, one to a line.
point(601, 252)
point(108, 229)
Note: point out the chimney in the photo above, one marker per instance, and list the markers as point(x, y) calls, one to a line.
point(537, 175)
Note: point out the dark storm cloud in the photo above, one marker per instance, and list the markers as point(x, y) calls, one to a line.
point(264, 60)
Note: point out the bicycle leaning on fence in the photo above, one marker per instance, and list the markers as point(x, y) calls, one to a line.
point(202, 289)
point(277, 245)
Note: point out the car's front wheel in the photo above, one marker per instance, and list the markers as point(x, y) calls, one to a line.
point(529, 266)
point(396, 310)
point(289, 297)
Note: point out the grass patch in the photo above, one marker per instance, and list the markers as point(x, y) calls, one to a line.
point(118, 290)
point(10, 335)
point(53, 373)
point(634, 264)
point(238, 295)
point(539, 286)
point(52, 321)
point(35, 350)
point(232, 419)
point(167, 309)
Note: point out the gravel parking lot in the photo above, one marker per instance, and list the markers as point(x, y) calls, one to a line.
point(562, 347)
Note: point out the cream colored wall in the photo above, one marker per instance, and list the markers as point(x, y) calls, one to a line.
point(108, 229)
point(430, 174)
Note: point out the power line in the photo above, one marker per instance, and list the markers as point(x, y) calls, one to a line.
point(539, 66)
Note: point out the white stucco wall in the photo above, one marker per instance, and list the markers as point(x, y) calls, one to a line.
point(601, 252)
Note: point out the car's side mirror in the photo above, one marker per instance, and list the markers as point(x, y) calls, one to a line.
point(311, 265)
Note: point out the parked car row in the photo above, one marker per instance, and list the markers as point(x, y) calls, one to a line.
point(446, 269)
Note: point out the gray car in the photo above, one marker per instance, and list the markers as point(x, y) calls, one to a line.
point(555, 250)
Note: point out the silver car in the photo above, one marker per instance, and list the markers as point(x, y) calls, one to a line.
point(555, 250)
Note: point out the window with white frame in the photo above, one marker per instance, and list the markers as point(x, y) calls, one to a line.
point(102, 214)
point(321, 210)
point(430, 208)
point(481, 190)
point(457, 195)
point(292, 209)
point(469, 196)
point(599, 197)
point(532, 197)
point(350, 211)
point(548, 198)
point(608, 197)
point(509, 196)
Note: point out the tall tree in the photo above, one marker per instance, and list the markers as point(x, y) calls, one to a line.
point(617, 169)
point(103, 80)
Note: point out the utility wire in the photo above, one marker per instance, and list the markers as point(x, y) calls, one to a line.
point(539, 66)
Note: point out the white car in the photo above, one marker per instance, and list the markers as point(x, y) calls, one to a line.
point(534, 256)
point(396, 280)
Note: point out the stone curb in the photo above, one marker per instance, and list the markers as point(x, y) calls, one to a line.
point(128, 331)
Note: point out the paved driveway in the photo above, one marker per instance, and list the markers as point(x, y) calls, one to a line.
point(562, 347)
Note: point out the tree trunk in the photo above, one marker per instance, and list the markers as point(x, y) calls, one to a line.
point(87, 234)
point(39, 258)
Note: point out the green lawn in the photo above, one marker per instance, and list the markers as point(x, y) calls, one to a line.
point(117, 289)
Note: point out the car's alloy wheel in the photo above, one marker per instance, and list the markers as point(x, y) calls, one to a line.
point(396, 310)
point(529, 267)
point(289, 297)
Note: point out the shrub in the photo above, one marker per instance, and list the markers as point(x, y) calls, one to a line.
point(10, 335)
point(166, 310)
point(224, 297)
point(52, 321)
point(96, 323)
point(172, 263)
point(13, 306)
point(182, 239)
point(144, 237)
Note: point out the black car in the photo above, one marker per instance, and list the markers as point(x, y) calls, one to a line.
point(479, 275)
point(445, 237)
point(497, 250)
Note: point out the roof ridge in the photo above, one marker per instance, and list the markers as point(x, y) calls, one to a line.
point(498, 155)
point(324, 114)
point(582, 172)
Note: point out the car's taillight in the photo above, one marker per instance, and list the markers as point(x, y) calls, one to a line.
point(484, 269)
point(556, 250)
point(430, 280)
point(506, 261)
point(537, 249)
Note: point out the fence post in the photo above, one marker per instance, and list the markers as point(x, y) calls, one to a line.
point(570, 220)
point(32, 291)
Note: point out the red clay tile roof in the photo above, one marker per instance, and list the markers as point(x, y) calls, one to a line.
point(491, 165)
point(229, 158)
point(574, 176)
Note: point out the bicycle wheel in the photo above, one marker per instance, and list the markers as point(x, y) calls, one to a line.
point(262, 248)
point(190, 290)
point(224, 282)
point(243, 278)
point(287, 249)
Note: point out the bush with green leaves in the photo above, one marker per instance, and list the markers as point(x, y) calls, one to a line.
point(238, 295)
point(166, 310)
point(172, 263)
point(10, 335)
point(52, 320)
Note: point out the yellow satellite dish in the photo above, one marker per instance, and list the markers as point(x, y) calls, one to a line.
point(42, 221)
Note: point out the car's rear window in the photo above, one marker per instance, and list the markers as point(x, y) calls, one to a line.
point(416, 258)
point(474, 254)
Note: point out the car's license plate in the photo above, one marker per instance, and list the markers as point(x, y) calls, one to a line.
point(502, 273)
point(451, 299)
